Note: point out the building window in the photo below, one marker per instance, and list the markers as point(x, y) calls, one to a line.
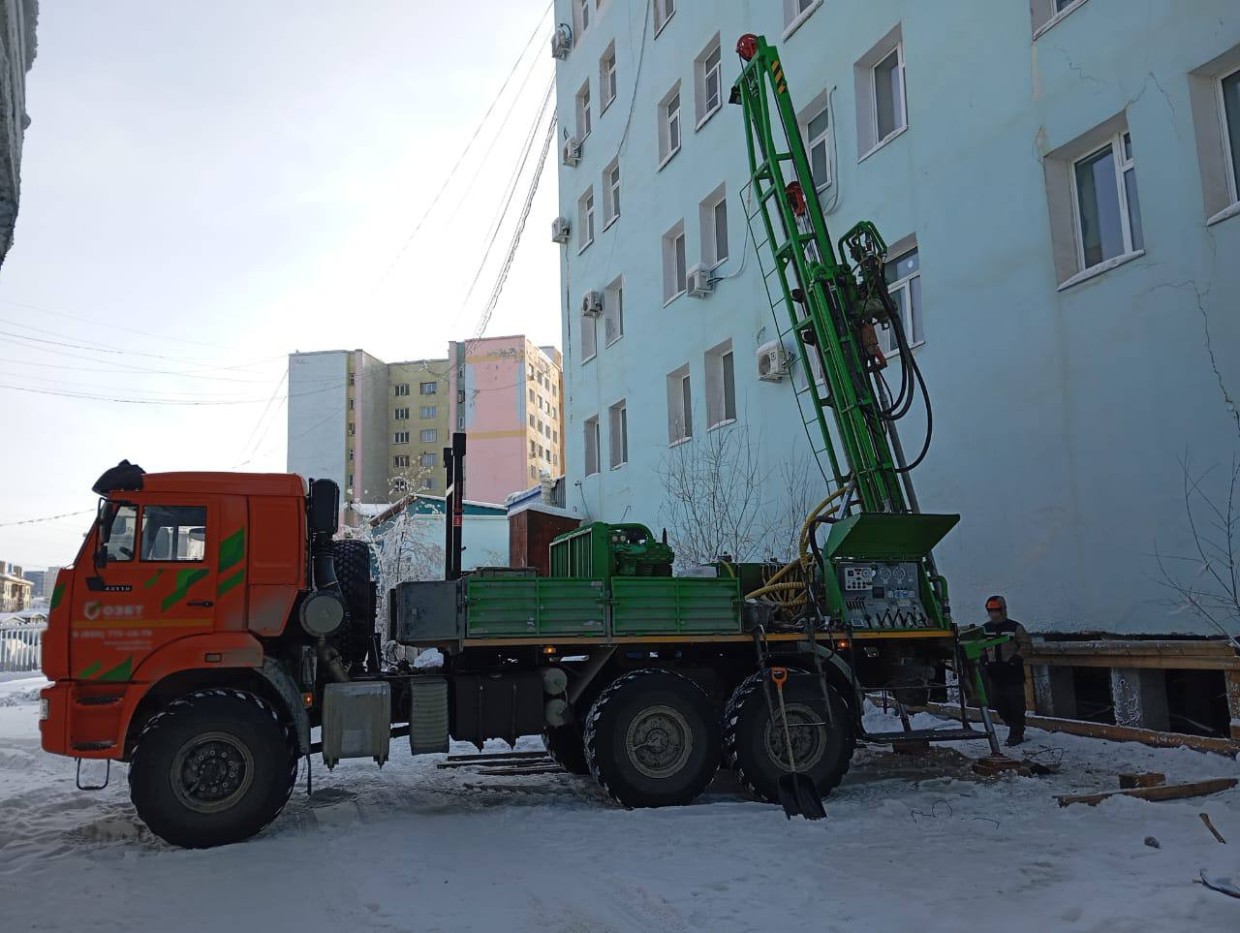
point(351, 406)
point(428, 460)
point(714, 216)
point(352, 429)
point(592, 440)
point(607, 78)
point(400, 414)
point(555, 437)
point(1214, 92)
point(720, 385)
point(350, 489)
point(428, 411)
point(879, 78)
point(674, 271)
point(817, 129)
point(401, 460)
point(708, 81)
point(425, 388)
point(174, 532)
point(351, 379)
point(613, 311)
point(581, 16)
point(1229, 104)
point(611, 192)
point(533, 449)
point(585, 213)
point(796, 12)
point(460, 422)
point(663, 10)
point(351, 455)
point(584, 120)
point(531, 421)
point(401, 389)
point(669, 125)
point(618, 434)
point(429, 436)
point(589, 338)
point(400, 437)
point(532, 396)
point(679, 406)
point(903, 275)
point(1108, 212)
point(1046, 13)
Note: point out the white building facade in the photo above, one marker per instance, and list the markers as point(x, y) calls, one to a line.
point(1058, 182)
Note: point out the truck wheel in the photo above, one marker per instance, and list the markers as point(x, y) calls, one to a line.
point(214, 768)
point(352, 639)
point(566, 745)
point(652, 739)
point(754, 744)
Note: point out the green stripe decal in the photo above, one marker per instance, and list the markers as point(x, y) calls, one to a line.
point(228, 584)
point(58, 593)
point(120, 672)
point(185, 579)
point(151, 581)
point(90, 670)
point(232, 549)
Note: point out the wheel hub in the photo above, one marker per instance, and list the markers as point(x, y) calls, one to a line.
point(808, 734)
point(211, 772)
point(659, 741)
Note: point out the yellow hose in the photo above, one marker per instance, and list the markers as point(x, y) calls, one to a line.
point(804, 558)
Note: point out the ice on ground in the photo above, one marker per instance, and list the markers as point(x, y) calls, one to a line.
point(909, 844)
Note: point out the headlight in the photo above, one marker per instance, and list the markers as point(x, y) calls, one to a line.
point(45, 709)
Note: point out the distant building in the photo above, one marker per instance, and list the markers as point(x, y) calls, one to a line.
point(16, 592)
point(17, 44)
point(376, 428)
point(43, 581)
point(508, 396)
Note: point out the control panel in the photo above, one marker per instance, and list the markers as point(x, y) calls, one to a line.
point(881, 596)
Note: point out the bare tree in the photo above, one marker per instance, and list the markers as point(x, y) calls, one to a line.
point(1206, 582)
point(719, 500)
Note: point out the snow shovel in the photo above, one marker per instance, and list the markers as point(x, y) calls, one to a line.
point(797, 793)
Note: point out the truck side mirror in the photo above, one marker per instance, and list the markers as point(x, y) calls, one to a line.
point(324, 507)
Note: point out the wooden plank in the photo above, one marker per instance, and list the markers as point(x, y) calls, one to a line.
point(1162, 792)
point(1205, 818)
point(1096, 730)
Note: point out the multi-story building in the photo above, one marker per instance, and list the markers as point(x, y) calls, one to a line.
point(1058, 183)
point(17, 45)
point(507, 395)
point(16, 592)
point(375, 428)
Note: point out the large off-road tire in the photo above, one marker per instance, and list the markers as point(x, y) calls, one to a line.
point(214, 767)
point(567, 746)
point(353, 638)
point(754, 745)
point(652, 739)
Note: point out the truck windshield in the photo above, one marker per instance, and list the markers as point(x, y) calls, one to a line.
point(174, 532)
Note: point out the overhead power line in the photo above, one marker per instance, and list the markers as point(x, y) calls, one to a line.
point(46, 518)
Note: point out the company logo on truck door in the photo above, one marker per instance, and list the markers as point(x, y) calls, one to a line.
point(95, 609)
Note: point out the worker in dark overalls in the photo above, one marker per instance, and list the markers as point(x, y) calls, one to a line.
point(1005, 668)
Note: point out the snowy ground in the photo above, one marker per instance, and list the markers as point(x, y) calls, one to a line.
point(909, 845)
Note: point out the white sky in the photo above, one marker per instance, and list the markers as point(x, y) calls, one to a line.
point(235, 179)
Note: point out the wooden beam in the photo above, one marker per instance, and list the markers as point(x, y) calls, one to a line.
point(1162, 792)
point(1095, 730)
point(1163, 661)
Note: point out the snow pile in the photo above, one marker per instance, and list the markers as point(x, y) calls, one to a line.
point(911, 843)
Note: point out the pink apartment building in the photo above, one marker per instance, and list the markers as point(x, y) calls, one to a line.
point(508, 396)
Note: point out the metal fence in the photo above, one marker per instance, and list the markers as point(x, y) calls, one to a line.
point(21, 647)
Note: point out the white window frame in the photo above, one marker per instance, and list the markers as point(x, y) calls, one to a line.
point(720, 408)
point(664, 10)
point(585, 219)
point(585, 120)
point(865, 83)
point(1231, 160)
point(1046, 14)
point(701, 80)
point(608, 86)
point(796, 12)
point(679, 406)
point(618, 435)
point(670, 118)
point(592, 441)
point(820, 106)
point(433, 437)
point(613, 312)
point(589, 338)
point(902, 116)
point(611, 193)
point(400, 437)
point(582, 17)
point(1122, 164)
point(675, 259)
point(708, 216)
point(886, 337)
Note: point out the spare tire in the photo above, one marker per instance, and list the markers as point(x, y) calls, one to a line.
point(354, 637)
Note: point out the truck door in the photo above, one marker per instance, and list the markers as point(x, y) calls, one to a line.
point(156, 584)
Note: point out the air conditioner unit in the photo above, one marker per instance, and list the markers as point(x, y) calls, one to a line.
point(699, 283)
point(772, 362)
point(592, 304)
point(562, 41)
point(560, 229)
point(572, 150)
